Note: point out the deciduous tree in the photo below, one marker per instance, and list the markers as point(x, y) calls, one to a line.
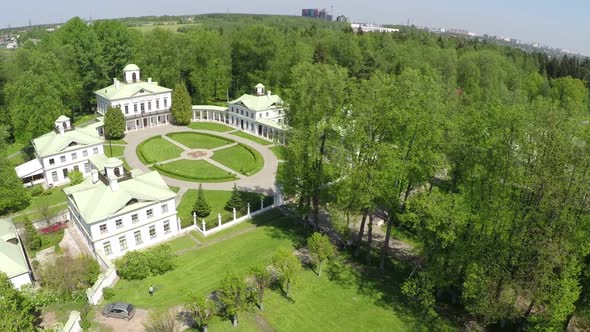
point(321, 249)
point(288, 266)
point(114, 123)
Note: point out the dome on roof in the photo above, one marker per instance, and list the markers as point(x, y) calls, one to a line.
point(113, 162)
point(131, 66)
point(259, 85)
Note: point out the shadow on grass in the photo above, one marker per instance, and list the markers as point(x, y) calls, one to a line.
point(382, 286)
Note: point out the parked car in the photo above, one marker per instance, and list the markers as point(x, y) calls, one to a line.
point(119, 310)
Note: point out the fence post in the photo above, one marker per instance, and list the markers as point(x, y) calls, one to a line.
point(248, 209)
point(261, 203)
point(195, 218)
point(204, 226)
point(219, 219)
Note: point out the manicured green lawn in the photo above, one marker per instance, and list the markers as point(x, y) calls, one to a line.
point(199, 141)
point(182, 242)
point(117, 150)
point(51, 239)
point(175, 189)
point(50, 197)
point(35, 215)
point(84, 120)
point(279, 151)
point(210, 126)
point(240, 158)
point(157, 149)
point(345, 298)
point(194, 170)
point(116, 141)
point(217, 200)
point(252, 138)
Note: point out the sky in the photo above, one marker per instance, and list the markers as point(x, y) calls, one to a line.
point(557, 23)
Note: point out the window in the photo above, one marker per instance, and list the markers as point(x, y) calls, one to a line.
point(103, 228)
point(74, 156)
point(134, 108)
point(95, 151)
point(134, 218)
point(54, 176)
point(266, 114)
point(62, 159)
point(247, 114)
point(152, 232)
point(123, 243)
point(117, 172)
point(166, 226)
point(149, 213)
point(65, 171)
point(149, 105)
point(76, 168)
point(137, 235)
point(87, 168)
point(107, 248)
point(51, 161)
point(157, 103)
point(119, 223)
point(85, 153)
point(242, 112)
point(165, 102)
point(142, 105)
point(164, 208)
point(126, 109)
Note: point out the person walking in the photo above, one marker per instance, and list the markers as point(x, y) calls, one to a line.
point(151, 290)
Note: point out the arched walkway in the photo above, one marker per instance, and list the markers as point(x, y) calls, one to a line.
point(262, 182)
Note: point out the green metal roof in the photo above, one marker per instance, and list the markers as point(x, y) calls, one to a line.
point(62, 118)
point(100, 161)
point(259, 85)
point(96, 201)
point(54, 142)
point(130, 67)
point(259, 103)
point(12, 256)
point(128, 90)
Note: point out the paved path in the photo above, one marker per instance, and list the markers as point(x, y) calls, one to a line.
point(261, 182)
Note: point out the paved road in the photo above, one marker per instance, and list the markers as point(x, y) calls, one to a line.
point(262, 182)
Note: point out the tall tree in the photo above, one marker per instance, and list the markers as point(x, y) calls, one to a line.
point(321, 249)
point(201, 208)
point(235, 201)
point(232, 294)
point(201, 310)
point(181, 105)
point(13, 196)
point(114, 123)
point(288, 266)
point(262, 278)
point(18, 313)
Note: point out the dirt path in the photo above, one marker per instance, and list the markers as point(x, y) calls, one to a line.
point(117, 324)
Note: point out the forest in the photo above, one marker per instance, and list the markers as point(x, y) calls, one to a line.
point(480, 152)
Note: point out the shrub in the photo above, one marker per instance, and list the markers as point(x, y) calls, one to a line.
point(69, 277)
point(137, 265)
point(84, 321)
point(31, 235)
point(108, 293)
point(36, 190)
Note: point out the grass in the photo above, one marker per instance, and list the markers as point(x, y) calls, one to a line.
point(279, 151)
point(194, 170)
point(15, 147)
point(210, 126)
point(18, 159)
point(348, 297)
point(116, 141)
point(175, 189)
point(51, 239)
point(240, 158)
point(117, 150)
point(217, 200)
point(199, 141)
point(180, 243)
point(83, 120)
point(252, 138)
point(49, 197)
point(35, 215)
point(157, 149)
point(62, 310)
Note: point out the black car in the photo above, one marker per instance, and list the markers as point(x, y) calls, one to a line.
point(119, 310)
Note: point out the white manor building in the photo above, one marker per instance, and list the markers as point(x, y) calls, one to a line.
point(144, 104)
point(116, 211)
point(61, 151)
point(260, 114)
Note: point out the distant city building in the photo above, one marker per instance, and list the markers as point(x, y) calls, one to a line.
point(458, 32)
point(316, 13)
point(370, 28)
point(342, 18)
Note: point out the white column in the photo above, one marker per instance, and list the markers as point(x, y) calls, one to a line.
point(248, 209)
point(234, 214)
point(204, 226)
point(261, 203)
point(219, 219)
point(195, 219)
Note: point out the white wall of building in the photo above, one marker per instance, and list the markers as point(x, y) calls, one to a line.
point(21, 280)
point(69, 160)
point(112, 230)
point(151, 103)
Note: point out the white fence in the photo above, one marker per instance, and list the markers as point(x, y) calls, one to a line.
point(106, 279)
point(73, 323)
point(206, 232)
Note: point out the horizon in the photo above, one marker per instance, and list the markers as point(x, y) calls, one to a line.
point(556, 25)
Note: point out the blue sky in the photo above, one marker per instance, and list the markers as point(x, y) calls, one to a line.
point(558, 23)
